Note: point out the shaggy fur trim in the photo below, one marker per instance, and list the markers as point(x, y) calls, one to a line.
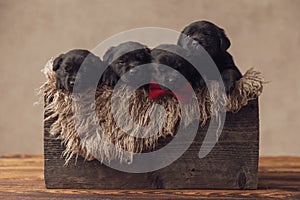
point(84, 138)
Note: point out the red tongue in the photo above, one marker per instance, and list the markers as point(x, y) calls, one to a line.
point(183, 94)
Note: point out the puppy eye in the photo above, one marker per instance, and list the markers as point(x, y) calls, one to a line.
point(121, 62)
point(68, 68)
point(132, 71)
point(162, 70)
point(195, 43)
point(206, 33)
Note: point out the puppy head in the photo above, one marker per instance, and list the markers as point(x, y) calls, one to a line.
point(66, 67)
point(208, 35)
point(163, 54)
point(125, 58)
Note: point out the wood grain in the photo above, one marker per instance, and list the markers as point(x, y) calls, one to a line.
point(21, 177)
point(232, 164)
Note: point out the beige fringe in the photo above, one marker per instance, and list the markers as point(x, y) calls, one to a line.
point(85, 138)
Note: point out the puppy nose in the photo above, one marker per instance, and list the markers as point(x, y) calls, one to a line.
point(71, 83)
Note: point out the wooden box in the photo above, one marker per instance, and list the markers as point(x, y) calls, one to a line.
point(232, 163)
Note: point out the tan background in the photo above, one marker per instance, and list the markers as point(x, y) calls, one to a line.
point(264, 34)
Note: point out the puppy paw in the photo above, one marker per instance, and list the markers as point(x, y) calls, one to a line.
point(109, 77)
point(229, 77)
point(110, 81)
point(229, 85)
point(199, 84)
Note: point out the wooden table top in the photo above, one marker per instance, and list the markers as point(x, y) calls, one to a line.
point(21, 177)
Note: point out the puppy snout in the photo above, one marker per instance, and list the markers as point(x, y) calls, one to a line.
point(171, 80)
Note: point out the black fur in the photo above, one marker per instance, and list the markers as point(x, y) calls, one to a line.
point(124, 58)
point(67, 65)
point(163, 54)
point(215, 42)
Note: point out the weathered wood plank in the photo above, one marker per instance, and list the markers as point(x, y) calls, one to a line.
point(232, 164)
point(21, 177)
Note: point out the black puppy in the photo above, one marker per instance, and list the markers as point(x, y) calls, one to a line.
point(125, 58)
point(215, 42)
point(174, 56)
point(80, 65)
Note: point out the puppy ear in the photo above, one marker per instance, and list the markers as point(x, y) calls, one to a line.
point(224, 40)
point(57, 62)
point(148, 54)
point(184, 35)
point(147, 50)
point(108, 56)
point(95, 60)
point(58, 84)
